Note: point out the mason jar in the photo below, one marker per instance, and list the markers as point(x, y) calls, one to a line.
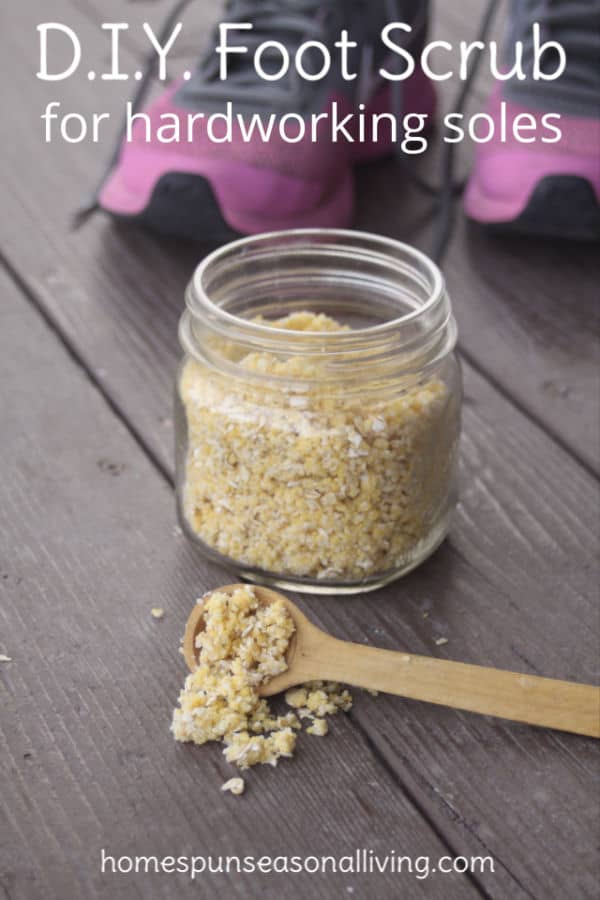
point(317, 410)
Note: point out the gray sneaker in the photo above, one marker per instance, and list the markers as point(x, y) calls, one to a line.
point(550, 187)
point(203, 189)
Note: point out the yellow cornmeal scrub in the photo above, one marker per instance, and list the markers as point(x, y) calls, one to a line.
point(243, 644)
point(303, 482)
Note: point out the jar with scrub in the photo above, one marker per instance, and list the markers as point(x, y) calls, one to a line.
point(317, 410)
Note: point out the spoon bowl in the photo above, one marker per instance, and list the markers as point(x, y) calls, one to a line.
point(314, 655)
point(303, 627)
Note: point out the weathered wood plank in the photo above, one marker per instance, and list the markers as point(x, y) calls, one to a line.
point(526, 523)
point(88, 548)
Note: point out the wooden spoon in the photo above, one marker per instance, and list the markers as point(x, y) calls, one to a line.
point(314, 655)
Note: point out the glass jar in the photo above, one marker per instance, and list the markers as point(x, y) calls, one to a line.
point(318, 410)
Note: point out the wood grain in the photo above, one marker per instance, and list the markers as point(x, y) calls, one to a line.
point(89, 547)
point(514, 587)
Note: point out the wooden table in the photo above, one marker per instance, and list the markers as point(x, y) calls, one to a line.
point(90, 543)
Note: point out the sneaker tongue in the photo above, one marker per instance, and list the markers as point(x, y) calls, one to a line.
point(287, 22)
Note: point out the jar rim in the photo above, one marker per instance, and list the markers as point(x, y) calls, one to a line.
point(200, 299)
point(397, 273)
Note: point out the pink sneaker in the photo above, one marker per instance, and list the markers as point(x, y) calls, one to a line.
point(547, 189)
point(208, 190)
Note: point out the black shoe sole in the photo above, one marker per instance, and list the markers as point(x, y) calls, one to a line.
point(561, 206)
point(184, 205)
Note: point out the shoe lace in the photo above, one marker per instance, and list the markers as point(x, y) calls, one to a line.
point(575, 24)
point(447, 191)
point(298, 20)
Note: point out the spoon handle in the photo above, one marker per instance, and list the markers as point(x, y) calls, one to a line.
point(564, 705)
